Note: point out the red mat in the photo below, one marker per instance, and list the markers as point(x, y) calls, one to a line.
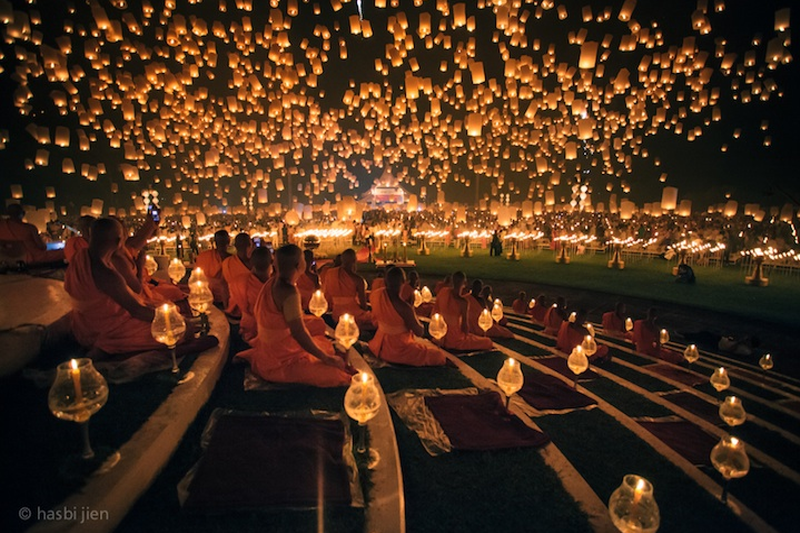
point(685, 438)
point(676, 374)
point(261, 461)
point(549, 392)
point(481, 422)
point(696, 406)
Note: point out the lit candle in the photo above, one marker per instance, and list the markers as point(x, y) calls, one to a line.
point(75, 372)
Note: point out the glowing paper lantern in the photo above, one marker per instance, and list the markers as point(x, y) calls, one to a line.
point(669, 198)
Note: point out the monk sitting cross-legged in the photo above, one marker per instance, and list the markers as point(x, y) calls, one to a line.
point(250, 287)
point(646, 336)
point(347, 291)
point(539, 309)
point(520, 305)
point(106, 313)
point(476, 303)
point(236, 267)
point(284, 351)
point(555, 316)
point(572, 334)
point(453, 308)
point(397, 339)
point(614, 323)
point(210, 261)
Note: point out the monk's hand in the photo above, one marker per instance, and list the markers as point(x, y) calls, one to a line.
point(336, 362)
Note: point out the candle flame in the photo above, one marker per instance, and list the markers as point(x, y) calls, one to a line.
point(74, 364)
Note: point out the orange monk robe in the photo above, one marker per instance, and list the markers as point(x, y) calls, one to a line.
point(97, 320)
point(378, 283)
point(552, 321)
point(438, 287)
point(474, 310)
point(73, 246)
point(455, 338)
point(343, 297)
point(538, 312)
point(27, 237)
point(394, 342)
point(646, 340)
point(614, 326)
point(235, 272)
point(520, 307)
point(211, 264)
point(276, 356)
point(570, 336)
point(306, 286)
point(251, 286)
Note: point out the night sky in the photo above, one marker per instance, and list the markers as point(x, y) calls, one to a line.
point(499, 159)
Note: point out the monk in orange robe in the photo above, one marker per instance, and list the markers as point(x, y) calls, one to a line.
point(555, 316)
point(614, 323)
point(539, 309)
point(106, 314)
point(346, 291)
point(475, 306)
point(308, 282)
point(378, 283)
point(210, 261)
point(453, 308)
point(235, 267)
point(15, 232)
point(646, 337)
point(572, 334)
point(81, 240)
point(520, 304)
point(398, 337)
point(251, 287)
point(407, 294)
point(284, 351)
point(446, 282)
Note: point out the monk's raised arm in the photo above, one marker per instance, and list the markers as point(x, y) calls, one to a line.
point(409, 318)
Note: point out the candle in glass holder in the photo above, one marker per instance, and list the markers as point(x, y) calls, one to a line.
point(485, 320)
point(75, 372)
point(346, 331)
point(691, 354)
point(720, 380)
point(732, 412)
point(663, 336)
point(590, 328)
point(497, 311)
point(628, 324)
point(766, 362)
point(510, 377)
point(633, 508)
point(437, 326)
point(589, 345)
point(176, 270)
point(197, 275)
point(417, 298)
point(427, 296)
point(572, 317)
point(532, 303)
point(150, 265)
point(318, 305)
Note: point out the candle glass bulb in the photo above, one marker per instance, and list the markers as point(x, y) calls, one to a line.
point(346, 331)
point(691, 354)
point(417, 298)
point(176, 270)
point(633, 508)
point(628, 324)
point(485, 320)
point(510, 377)
point(765, 362)
point(589, 345)
point(720, 380)
point(150, 265)
point(732, 412)
point(318, 305)
point(497, 311)
point(437, 326)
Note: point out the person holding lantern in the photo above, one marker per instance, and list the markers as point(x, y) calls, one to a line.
point(397, 339)
point(284, 351)
point(453, 307)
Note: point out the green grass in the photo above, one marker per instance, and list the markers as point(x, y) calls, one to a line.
point(648, 383)
point(603, 452)
point(393, 379)
point(625, 400)
point(717, 289)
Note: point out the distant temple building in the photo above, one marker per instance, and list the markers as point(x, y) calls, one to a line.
point(386, 192)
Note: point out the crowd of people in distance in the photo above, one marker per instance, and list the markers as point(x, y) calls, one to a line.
point(268, 293)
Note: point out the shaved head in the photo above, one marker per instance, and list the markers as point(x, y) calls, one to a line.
point(261, 258)
point(288, 259)
point(106, 234)
point(395, 277)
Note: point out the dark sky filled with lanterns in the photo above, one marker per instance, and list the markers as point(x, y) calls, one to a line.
point(265, 101)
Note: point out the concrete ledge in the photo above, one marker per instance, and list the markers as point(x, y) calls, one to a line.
point(150, 448)
point(386, 511)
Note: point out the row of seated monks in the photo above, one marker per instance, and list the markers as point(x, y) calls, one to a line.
point(114, 300)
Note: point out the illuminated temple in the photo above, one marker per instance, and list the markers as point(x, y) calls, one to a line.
point(377, 266)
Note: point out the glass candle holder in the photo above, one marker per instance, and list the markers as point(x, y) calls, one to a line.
point(730, 459)
point(346, 331)
point(589, 346)
point(485, 320)
point(578, 363)
point(691, 354)
point(497, 311)
point(510, 378)
point(437, 326)
point(318, 305)
point(732, 412)
point(427, 296)
point(633, 508)
point(362, 402)
point(176, 270)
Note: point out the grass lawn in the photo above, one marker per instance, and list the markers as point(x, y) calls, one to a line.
point(717, 289)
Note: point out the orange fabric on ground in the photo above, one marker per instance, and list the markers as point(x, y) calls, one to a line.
point(569, 337)
point(235, 274)
point(455, 338)
point(394, 342)
point(341, 293)
point(211, 264)
point(538, 312)
point(552, 321)
point(646, 340)
point(97, 320)
point(277, 357)
point(474, 310)
point(615, 326)
point(306, 286)
point(73, 246)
